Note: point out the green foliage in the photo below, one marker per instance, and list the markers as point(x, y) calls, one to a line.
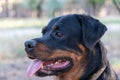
point(97, 2)
point(95, 6)
point(34, 5)
point(117, 4)
point(53, 5)
point(31, 4)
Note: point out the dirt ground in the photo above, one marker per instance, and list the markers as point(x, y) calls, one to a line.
point(14, 68)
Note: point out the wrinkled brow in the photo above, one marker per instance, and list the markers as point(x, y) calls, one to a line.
point(44, 30)
point(55, 28)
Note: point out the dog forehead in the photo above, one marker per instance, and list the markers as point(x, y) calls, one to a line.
point(64, 21)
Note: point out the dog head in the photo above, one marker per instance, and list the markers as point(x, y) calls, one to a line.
point(68, 42)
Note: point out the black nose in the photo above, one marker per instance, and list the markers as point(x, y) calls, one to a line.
point(29, 45)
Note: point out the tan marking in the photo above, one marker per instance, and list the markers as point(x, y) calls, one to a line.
point(42, 47)
point(41, 51)
point(78, 68)
point(82, 48)
point(79, 61)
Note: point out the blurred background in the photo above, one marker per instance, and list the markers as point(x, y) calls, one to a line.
point(21, 20)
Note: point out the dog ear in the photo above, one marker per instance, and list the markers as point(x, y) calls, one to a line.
point(92, 30)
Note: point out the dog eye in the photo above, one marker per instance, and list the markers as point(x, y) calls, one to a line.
point(58, 34)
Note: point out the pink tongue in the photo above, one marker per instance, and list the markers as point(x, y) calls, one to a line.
point(34, 67)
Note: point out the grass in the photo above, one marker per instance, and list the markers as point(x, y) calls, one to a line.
point(22, 23)
point(117, 21)
point(110, 20)
point(32, 22)
point(12, 42)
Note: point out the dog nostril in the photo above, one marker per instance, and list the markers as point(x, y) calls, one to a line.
point(30, 44)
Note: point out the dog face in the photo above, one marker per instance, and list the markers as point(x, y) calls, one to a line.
point(65, 46)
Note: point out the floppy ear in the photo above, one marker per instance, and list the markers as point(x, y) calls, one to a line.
point(92, 30)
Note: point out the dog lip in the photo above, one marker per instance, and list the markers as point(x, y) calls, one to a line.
point(31, 57)
point(52, 67)
point(47, 67)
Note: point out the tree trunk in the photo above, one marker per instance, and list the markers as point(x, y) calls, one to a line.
point(6, 7)
point(39, 9)
point(117, 4)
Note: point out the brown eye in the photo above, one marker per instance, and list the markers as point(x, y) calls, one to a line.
point(59, 34)
point(55, 28)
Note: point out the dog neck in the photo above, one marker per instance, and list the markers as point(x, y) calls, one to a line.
point(95, 76)
point(98, 73)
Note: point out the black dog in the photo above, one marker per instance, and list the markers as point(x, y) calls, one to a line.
point(70, 48)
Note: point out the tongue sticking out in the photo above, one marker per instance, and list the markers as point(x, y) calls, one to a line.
point(34, 67)
point(51, 65)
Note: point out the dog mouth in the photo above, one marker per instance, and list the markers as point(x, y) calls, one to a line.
point(49, 67)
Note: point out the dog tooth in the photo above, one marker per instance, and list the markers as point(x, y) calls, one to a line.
point(49, 65)
point(56, 62)
point(42, 67)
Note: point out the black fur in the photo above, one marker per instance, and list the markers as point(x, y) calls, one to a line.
point(66, 32)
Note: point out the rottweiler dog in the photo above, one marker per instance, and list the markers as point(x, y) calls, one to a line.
point(71, 49)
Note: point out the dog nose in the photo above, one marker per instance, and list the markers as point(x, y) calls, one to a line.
point(30, 44)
